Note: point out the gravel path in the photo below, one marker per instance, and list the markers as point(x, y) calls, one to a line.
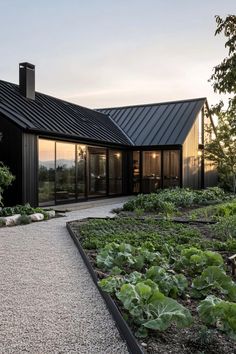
point(48, 302)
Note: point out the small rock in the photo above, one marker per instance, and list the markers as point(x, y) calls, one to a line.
point(11, 220)
point(144, 344)
point(36, 217)
point(50, 213)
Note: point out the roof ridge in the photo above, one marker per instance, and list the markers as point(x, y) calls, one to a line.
point(152, 104)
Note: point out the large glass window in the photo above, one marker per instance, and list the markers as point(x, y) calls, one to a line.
point(81, 167)
point(115, 172)
point(65, 171)
point(46, 172)
point(136, 171)
point(97, 171)
point(68, 172)
point(171, 168)
point(151, 179)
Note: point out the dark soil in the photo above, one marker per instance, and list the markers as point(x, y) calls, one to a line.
point(194, 340)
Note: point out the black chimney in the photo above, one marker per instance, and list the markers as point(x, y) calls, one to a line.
point(27, 80)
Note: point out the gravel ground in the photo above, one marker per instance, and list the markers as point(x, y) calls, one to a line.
point(48, 302)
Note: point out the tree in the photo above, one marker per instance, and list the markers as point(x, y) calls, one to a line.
point(6, 179)
point(222, 149)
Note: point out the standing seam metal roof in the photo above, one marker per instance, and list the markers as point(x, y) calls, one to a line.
point(47, 114)
point(165, 123)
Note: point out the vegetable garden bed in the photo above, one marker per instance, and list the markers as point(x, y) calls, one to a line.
point(170, 281)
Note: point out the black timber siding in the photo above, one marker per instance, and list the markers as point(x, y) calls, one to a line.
point(29, 169)
point(11, 155)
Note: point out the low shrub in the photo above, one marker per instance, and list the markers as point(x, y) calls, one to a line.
point(20, 209)
point(166, 201)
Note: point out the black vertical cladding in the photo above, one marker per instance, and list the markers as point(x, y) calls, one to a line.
point(29, 169)
point(126, 172)
point(11, 155)
point(181, 167)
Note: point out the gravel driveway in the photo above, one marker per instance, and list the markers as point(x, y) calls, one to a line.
point(48, 302)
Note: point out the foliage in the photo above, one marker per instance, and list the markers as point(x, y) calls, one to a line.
point(150, 203)
point(222, 149)
point(169, 283)
point(20, 209)
point(224, 75)
point(166, 201)
point(215, 212)
point(217, 312)
point(162, 236)
point(214, 279)
point(125, 255)
point(6, 179)
point(179, 256)
point(113, 283)
point(194, 261)
point(150, 309)
point(225, 228)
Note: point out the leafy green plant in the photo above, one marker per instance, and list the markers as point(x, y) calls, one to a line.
point(214, 311)
point(214, 279)
point(166, 201)
point(6, 179)
point(193, 260)
point(163, 235)
point(170, 284)
point(139, 212)
point(225, 228)
point(21, 209)
point(113, 283)
point(123, 254)
point(150, 309)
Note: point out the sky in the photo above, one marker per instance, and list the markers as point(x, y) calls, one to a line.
point(105, 53)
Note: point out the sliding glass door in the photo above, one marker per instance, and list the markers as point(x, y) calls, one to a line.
point(115, 172)
point(65, 172)
point(81, 171)
point(97, 182)
point(69, 172)
point(151, 171)
point(46, 172)
point(171, 168)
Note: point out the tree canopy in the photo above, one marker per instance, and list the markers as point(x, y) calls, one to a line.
point(222, 149)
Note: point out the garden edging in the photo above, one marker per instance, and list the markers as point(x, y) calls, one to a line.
point(125, 331)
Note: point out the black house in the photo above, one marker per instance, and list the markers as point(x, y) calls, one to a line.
point(61, 152)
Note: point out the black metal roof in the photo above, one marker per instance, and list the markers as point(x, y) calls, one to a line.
point(166, 123)
point(49, 115)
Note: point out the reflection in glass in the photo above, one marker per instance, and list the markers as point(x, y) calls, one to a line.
point(65, 171)
point(81, 163)
point(97, 171)
point(115, 172)
point(171, 168)
point(136, 172)
point(46, 172)
point(151, 180)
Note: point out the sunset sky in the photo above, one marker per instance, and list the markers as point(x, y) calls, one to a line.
point(104, 53)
